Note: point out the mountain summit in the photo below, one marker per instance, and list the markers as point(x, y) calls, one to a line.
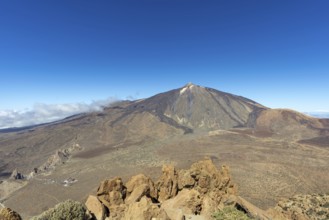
point(197, 107)
point(130, 136)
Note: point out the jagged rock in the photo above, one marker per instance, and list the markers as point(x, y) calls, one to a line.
point(117, 212)
point(8, 214)
point(185, 179)
point(145, 210)
point(248, 208)
point(205, 177)
point(301, 207)
point(114, 198)
point(209, 206)
point(58, 158)
point(111, 192)
point(188, 201)
point(138, 180)
point(202, 189)
point(208, 177)
point(15, 175)
point(138, 193)
point(167, 184)
point(108, 186)
point(68, 210)
point(96, 208)
point(214, 185)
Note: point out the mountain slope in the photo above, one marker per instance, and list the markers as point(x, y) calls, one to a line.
point(289, 124)
point(197, 107)
point(177, 126)
point(180, 111)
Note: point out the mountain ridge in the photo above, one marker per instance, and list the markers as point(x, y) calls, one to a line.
point(178, 126)
point(185, 105)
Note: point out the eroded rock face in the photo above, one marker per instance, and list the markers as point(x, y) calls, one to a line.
point(111, 192)
point(96, 208)
point(144, 209)
point(58, 158)
point(108, 186)
point(136, 182)
point(200, 190)
point(138, 193)
point(187, 201)
point(117, 212)
point(304, 207)
point(167, 184)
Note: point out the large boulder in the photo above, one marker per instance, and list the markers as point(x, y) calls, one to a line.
point(210, 205)
point(167, 185)
point(138, 193)
point(8, 214)
point(117, 212)
point(96, 208)
point(208, 178)
point(185, 179)
point(187, 201)
point(137, 181)
point(108, 186)
point(214, 185)
point(145, 210)
point(249, 209)
point(111, 192)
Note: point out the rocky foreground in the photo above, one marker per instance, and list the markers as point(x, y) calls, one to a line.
point(201, 192)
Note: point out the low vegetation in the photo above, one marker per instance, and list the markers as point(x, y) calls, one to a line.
point(68, 210)
point(230, 213)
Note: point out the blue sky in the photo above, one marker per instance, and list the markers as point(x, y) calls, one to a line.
point(52, 52)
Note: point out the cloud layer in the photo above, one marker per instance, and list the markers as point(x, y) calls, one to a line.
point(42, 113)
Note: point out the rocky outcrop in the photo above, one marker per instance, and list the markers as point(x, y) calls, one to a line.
point(96, 208)
point(188, 201)
point(58, 158)
point(112, 192)
point(8, 214)
point(16, 175)
point(200, 190)
point(144, 209)
point(167, 184)
point(138, 186)
point(303, 207)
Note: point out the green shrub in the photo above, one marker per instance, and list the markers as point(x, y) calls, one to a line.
point(68, 210)
point(230, 213)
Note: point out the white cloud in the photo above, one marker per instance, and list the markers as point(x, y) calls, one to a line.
point(42, 113)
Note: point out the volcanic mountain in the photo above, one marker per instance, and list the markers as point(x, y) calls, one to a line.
point(269, 150)
point(196, 107)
